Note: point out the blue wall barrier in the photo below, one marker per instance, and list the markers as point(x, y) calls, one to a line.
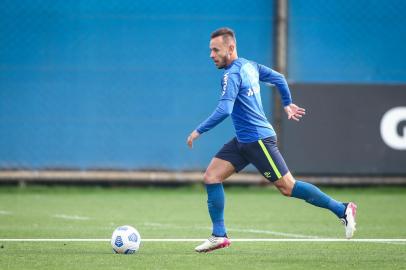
point(117, 84)
point(120, 84)
point(358, 41)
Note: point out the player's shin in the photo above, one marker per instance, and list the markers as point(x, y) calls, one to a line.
point(215, 203)
point(315, 196)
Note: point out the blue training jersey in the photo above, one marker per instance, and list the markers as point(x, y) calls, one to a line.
point(241, 98)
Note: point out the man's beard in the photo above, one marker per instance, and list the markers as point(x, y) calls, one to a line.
point(223, 63)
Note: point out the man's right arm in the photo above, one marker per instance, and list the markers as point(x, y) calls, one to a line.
point(222, 111)
point(231, 83)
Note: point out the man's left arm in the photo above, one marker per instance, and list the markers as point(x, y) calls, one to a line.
point(269, 75)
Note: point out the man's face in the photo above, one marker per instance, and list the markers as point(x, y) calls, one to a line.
point(219, 52)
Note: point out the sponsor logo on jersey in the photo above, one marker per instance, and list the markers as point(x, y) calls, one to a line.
point(251, 74)
point(225, 80)
point(252, 91)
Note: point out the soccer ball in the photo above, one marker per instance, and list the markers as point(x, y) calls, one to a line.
point(125, 240)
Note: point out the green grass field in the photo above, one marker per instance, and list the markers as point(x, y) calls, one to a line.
point(166, 213)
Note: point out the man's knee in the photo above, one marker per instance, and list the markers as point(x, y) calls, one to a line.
point(285, 191)
point(218, 171)
point(211, 178)
point(285, 184)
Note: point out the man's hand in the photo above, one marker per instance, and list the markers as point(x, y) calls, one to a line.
point(193, 136)
point(294, 112)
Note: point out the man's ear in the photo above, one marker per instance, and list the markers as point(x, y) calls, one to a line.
point(231, 49)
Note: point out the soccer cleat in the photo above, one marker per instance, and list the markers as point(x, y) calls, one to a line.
point(213, 243)
point(349, 219)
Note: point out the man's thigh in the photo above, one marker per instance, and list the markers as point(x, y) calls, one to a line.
point(265, 156)
point(227, 161)
point(231, 152)
point(218, 171)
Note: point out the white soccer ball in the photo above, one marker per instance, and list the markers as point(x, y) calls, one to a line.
point(125, 240)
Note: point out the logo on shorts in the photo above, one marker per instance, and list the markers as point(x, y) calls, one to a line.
point(267, 174)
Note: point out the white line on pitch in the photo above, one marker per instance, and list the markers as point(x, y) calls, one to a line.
point(272, 233)
point(289, 236)
point(379, 240)
point(53, 240)
point(233, 230)
point(71, 217)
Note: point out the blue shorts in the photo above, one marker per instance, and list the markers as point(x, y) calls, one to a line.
point(263, 154)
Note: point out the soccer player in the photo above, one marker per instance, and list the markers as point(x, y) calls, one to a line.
point(255, 140)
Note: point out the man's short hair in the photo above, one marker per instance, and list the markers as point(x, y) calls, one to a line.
point(225, 32)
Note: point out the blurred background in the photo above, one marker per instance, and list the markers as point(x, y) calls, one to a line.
point(118, 85)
